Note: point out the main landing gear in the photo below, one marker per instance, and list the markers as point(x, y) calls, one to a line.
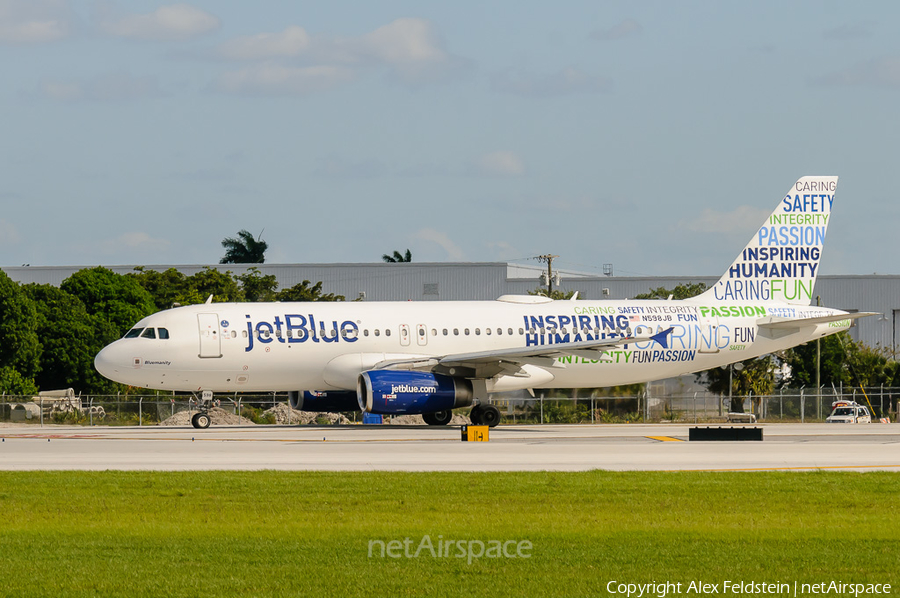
point(201, 419)
point(438, 418)
point(485, 415)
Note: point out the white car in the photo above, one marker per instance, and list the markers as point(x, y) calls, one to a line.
point(848, 412)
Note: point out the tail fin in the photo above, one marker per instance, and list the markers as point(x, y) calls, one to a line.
point(781, 261)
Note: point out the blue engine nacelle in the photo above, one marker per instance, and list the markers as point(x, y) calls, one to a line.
point(402, 392)
point(331, 401)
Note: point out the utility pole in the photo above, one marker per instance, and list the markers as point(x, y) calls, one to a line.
point(818, 362)
point(548, 259)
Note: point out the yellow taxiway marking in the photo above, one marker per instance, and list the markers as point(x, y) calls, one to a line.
point(665, 438)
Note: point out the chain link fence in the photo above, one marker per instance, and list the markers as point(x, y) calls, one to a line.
point(789, 405)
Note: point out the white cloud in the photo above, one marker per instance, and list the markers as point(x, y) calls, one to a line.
point(880, 72)
point(339, 168)
point(135, 241)
point(409, 50)
point(742, 219)
point(293, 41)
point(8, 233)
point(568, 81)
point(167, 23)
point(412, 49)
point(454, 253)
point(112, 87)
point(34, 21)
point(501, 163)
point(851, 31)
point(276, 79)
point(503, 251)
point(627, 28)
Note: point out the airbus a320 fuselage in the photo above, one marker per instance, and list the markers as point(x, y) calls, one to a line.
point(433, 357)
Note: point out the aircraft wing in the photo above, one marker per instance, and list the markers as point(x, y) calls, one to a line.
point(544, 356)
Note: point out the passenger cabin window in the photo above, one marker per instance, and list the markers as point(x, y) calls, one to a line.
point(387, 331)
point(478, 332)
point(487, 331)
point(149, 333)
point(134, 333)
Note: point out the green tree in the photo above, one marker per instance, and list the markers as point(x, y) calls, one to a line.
point(398, 258)
point(167, 288)
point(757, 377)
point(13, 383)
point(19, 345)
point(839, 357)
point(118, 299)
point(221, 285)
point(557, 294)
point(70, 339)
point(304, 292)
point(244, 249)
point(681, 291)
point(257, 286)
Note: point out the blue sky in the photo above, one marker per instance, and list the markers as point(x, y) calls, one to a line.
point(655, 136)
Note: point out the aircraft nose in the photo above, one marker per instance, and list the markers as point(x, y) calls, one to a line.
point(108, 362)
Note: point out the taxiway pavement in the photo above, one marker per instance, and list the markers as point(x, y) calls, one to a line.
point(425, 448)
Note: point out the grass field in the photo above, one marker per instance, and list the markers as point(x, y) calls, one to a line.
point(308, 534)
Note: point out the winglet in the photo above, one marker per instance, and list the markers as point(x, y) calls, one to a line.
point(663, 337)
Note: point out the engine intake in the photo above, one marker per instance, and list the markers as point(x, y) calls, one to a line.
point(320, 402)
point(403, 392)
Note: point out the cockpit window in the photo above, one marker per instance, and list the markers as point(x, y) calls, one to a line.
point(134, 333)
point(164, 333)
point(149, 333)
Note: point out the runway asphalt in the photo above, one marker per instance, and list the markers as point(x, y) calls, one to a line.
point(424, 448)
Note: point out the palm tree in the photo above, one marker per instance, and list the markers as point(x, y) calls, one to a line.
point(245, 250)
point(398, 258)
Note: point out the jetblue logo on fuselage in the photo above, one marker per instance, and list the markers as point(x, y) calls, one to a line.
point(295, 328)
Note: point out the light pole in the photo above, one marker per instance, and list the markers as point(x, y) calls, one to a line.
point(731, 368)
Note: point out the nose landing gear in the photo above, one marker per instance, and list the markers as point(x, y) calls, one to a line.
point(201, 420)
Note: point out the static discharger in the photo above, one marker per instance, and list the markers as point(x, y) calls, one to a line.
point(475, 433)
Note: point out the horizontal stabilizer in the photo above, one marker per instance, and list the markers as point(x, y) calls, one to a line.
point(781, 323)
point(775, 327)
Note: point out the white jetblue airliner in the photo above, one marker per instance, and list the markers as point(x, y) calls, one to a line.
point(433, 357)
